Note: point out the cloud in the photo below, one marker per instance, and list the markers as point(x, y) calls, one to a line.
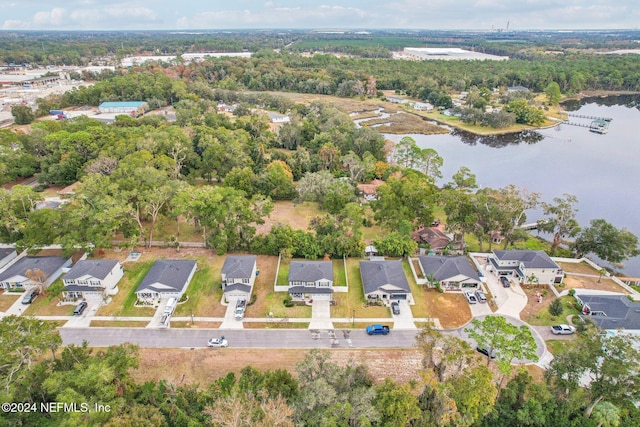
point(54, 18)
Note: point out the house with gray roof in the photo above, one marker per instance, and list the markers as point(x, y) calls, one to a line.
point(166, 279)
point(92, 278)
point(310, 280)
point(22, 273)
point(453, 273)
point(384, 280)
point(526, 266)
point(610, 312)
point(7, 253)
point(238, 277)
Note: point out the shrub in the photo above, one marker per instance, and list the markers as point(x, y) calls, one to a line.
point(288, 301)
point(556, 308)
point(253, 299)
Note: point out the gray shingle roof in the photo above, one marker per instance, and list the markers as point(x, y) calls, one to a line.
point(4, 252)
point(530, 259)
point(237, 287)
point(99, 269)
point(239, 266)
point(47, 264)
point(443, 267)
point(310, 271)
point(167, 276)
point(620, 312)
point(376, 274)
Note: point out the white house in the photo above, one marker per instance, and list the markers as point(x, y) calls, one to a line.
point(24, 271)
point(98, 278)
point(166, 279)
point(385, 281)
point(279, 118)
point(422, 106)
point(453, 273)
point(238, 277)
point(311, 280)
point(526, 266)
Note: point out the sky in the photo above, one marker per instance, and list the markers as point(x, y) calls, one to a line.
point(323, 14)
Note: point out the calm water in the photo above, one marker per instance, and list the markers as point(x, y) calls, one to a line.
point(600, 170)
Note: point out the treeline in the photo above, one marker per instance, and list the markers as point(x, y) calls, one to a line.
point(454, 387)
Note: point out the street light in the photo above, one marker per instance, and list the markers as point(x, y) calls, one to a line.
point(353, 319)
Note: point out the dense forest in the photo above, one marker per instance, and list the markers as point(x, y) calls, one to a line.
point(455, 387)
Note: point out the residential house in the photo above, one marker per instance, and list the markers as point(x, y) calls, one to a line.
point(396, 99)
point(610, 312)
point(385, 281)
point(512, 89)
point(238, 277)
point(452, 273)
point(166, 279)
point(370, 191)
point(436, 239)
point(7, 253)
point(526, 266)
point(279, 118)
point(92, 278)
point(310, 280)
point(134, 108)
point(423, 106)
point(44, 270)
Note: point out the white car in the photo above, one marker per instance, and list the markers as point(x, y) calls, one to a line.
point(218, 342)
point(471, 297)
point(563, 329)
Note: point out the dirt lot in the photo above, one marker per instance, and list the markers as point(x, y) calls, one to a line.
point(205, 365)
point(583, 282)
point(450, 308)
point(286, 212)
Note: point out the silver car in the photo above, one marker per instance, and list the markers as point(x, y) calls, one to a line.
point(218, 342)
point(471, 297)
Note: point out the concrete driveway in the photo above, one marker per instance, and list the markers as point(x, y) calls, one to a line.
point(404, 320)
point(230, 321)
point(320, 315)
point(510, 301)
point(84, 320)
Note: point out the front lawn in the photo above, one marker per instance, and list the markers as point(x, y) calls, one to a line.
point(354, 299)
point(47, 305)
point(205, 291)
point(538, 314)
point(122, 304)
point(7, 300)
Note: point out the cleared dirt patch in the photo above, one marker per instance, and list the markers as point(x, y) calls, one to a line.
point(203, 365)
point(451, 309)
point(287, 213)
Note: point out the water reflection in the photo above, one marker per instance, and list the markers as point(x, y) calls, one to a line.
point(630, 101)
point(498, 141)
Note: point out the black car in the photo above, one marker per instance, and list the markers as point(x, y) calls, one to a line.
point(485, 351)
point(505, 282)
point(395, 307)
point(80, 308)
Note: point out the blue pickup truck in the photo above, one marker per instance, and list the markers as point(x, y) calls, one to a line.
point(377, 329)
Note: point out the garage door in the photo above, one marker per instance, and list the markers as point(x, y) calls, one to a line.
point(399, 296)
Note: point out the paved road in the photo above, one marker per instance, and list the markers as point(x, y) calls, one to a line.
point(256, 338)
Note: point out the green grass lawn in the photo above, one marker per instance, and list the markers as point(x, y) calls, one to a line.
point(283, 273)
point(544, 318)
point(204, 292)
point(122, 304)
point(339, 275)
point(556, 347)
point(418, 291)
point(47, 305)
point(354, 299)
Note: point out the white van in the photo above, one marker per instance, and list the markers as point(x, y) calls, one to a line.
point(171, 305)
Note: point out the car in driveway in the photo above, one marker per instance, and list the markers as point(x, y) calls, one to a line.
point(563, 329)
point(218, 342)
point(80, 308)
point(505, 282)
point(471, 297)
point(395, 307)
point(30, 296)
point(481, 296)
point(485, 350)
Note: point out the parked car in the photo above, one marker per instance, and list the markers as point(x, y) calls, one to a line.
point(435, 223)
point(563, 329)
point(30, 296)
point(377, 330)
point(240, 308)
point(481, 296)
point(485, 350)
point(395, 307)
point(80, 308)
point(505, 282)
point(218, 342)
point(471, 297)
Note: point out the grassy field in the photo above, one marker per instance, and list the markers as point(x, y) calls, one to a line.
point(354, 299)
point(339, 275)
point(403, 123)
point(7, 300)
point(539, 315)
point(286, 212)
point(204, 292)
point(47, 305)
point(122, 304)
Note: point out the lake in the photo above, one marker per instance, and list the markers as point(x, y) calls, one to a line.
point(597, 169)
